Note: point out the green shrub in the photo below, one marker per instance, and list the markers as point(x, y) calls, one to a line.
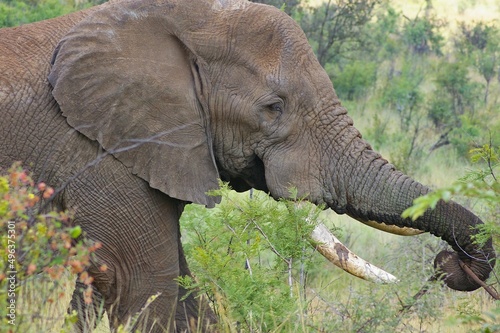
point(355, 79)
point(439, 111)
point(248, 255)
point(422, 35)
point(403, 93)
point(39, 249)
point(454, 84)
point(17, 12)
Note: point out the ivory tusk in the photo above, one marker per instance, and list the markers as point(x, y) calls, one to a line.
point(336, 252)
point(402, 231)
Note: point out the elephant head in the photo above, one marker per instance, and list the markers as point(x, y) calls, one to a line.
point(184, 93)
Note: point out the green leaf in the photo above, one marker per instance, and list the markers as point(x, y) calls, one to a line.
point(75, 232)
point(4, 208)
point(446, 195)
point(4, 185)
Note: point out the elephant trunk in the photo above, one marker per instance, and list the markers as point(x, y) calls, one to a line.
point(372, 190)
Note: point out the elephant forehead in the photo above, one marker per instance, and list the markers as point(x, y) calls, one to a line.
point(264, 31)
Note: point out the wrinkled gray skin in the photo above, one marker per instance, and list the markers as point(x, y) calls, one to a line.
point(133, 109)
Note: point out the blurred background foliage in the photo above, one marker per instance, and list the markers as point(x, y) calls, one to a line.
point(421, 79)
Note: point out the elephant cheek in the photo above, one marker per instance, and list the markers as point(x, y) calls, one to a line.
point(286, 175)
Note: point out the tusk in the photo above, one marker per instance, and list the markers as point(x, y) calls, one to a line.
point(336, 252)
point(402, 231)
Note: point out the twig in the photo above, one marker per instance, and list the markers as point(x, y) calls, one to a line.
point(273, 249)
point(416, 297)
point(490, 152)
point(490, 290)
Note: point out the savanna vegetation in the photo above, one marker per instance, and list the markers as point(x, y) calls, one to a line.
point(421, 79)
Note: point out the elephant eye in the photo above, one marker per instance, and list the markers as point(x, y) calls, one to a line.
point(271, 112)
point(276, 107)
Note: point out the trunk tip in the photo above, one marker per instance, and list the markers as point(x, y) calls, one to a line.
point(468, 274)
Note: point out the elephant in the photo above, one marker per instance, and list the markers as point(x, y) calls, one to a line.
point(135, 108)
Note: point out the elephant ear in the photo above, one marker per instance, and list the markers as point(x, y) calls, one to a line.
point(123, 80)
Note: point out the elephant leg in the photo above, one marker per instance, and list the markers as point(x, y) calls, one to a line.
point(88, 315)
point(138, 228)
point(193, 313)
point(146, 303)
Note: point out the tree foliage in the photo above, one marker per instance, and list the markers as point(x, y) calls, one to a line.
point(39, 247)
point(479, 44)
point(422, 36)
point(17, 12)
point(334, 27)
point(356, 78)
point(251, 254)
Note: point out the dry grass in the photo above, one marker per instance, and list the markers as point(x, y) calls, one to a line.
point(43, 305)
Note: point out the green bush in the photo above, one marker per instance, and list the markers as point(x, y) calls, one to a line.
point(454, 84)
point(479, 45)
point(376, 133)
point(355, 79)
point(39, 249)
point(440, 111)
point(17, 12)
point(422, 35)
point(248, 256)
point(403, 93)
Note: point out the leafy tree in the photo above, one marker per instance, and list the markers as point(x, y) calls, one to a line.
point(479, 44)
point(17, 12)
point(440, 111)
point(382, 37)
point(456, 107)
point(403, 93)
point(355, 79)
point(38, 249)
point(453, 83)
point(422, 35)
point(248, 255)
point(376, 134)
point(334, 27)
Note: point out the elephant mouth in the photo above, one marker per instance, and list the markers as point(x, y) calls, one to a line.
point(252, 176)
